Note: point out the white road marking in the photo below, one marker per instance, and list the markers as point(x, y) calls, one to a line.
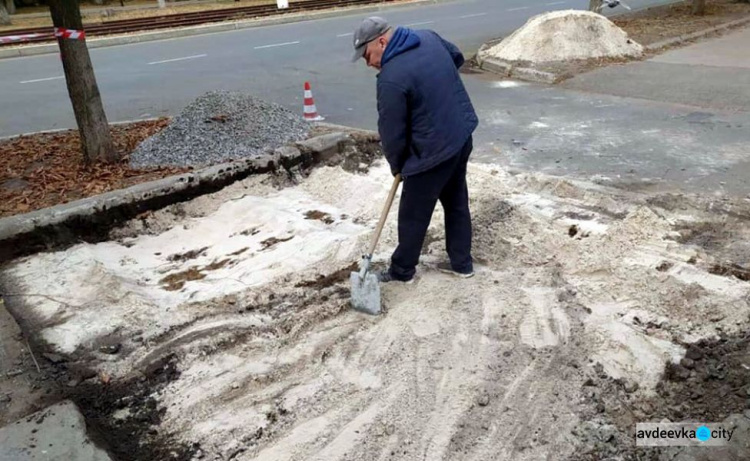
point(555, 3)
point(420, 23)
point(519, 9)
point(345, 35)
point(179, 59)
point(43, 79)
point(467, 16)
point(275, 45)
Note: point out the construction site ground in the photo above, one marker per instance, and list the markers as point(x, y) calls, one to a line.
point(221, 327)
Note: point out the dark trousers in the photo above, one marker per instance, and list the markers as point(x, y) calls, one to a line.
point(445, 182)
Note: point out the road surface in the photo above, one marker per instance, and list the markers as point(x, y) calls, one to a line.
point(159, 78)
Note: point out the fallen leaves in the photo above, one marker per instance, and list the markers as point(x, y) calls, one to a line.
point(52, 169)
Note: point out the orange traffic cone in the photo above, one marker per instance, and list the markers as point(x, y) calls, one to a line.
point(310, 111)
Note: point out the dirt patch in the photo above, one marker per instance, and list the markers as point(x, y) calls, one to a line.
point(325, 281)
point(358, 158)
point(320, 216)
point(176, 281)
point(239, 252)
point(192, 254)
point(216, 265)
point(731, 270)
point(708, 385)
point(708, 235)
point(124, 416)
point(52, 171)
point(664, 266)
point(669, 21)
point(251, 231)
point(726, 246)
point(270, 242)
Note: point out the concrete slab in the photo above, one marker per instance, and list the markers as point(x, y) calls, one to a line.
point(56, 433)
point(731, 50)
point(724, 88)
point(579, 134)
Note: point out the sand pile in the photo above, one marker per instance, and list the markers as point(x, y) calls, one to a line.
point(582, 297)
point(563, 36)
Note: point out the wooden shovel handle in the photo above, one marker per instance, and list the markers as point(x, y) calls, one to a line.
point(384, 215)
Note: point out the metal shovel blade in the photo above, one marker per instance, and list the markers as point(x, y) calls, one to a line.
point(365, 292)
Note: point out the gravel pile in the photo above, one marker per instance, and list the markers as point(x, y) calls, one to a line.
point(218, 127)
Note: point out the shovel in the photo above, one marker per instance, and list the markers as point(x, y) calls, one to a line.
point(365, 285)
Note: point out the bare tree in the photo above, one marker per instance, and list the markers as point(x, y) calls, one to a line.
point(699, 7)
point(594, 5)
point(96, 138)
point(10, 5)
point(4, 16)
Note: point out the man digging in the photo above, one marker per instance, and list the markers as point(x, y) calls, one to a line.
point(426, 121)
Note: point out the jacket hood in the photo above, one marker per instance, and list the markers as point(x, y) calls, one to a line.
point(403, 40)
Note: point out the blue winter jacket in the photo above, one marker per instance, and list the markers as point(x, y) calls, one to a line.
point(425, 114)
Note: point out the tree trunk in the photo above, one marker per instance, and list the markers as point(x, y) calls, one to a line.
point(699, 7)
point(96, 138)
point(594, 5)
point(10, 6)
point(4, 16)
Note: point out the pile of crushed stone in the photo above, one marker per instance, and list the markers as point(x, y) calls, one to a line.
point(219, 127)
point(562, 36)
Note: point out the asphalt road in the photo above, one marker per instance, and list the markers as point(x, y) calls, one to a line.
point(159, 78)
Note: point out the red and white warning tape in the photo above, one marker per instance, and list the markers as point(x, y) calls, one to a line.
point(19, 38)
point(70, 33)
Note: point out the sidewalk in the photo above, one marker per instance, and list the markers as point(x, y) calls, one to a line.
point(713, 73)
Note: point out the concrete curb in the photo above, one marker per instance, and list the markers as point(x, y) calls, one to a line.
point(61, 427)
point(533, 75)
point(33, 50)
point(508, 69)
point(701, 33)
point(90, 218)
